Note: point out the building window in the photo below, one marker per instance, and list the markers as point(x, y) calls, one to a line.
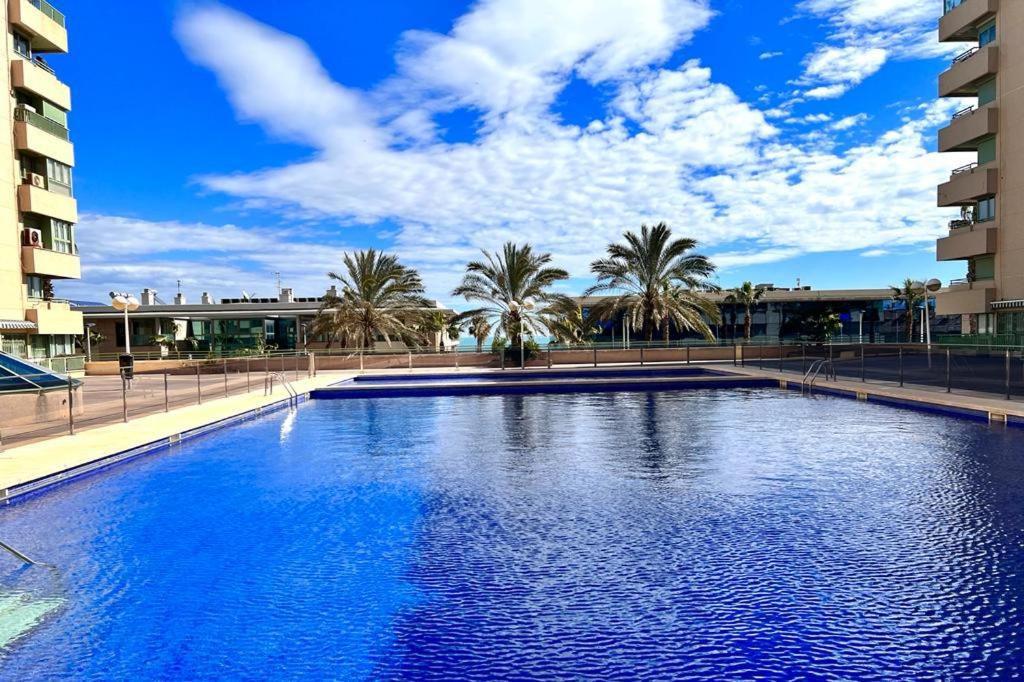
point(34, 285)
point(987, 151)
point(58, 177)
point(986, 210)
point(987, 34)
point(984, 268)
point(62, 236)
point(22, 45)
point(987, 92)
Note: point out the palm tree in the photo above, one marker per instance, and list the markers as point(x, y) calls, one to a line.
point(657, 282)
point(568, 325)
point(504, 281)
point(746, 295)
point(912, 295)
point(379, 297)
point(480, 328)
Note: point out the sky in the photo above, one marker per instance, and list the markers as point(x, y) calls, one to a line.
point(218, 144)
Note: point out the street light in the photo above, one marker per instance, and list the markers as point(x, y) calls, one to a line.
point(126, 303)
point(931, 286)
point(526, 305)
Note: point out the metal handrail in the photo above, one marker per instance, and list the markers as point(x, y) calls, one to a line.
point(963, 112)
point(813, 371)
point(964, 56)
point(964, 169)
point(268, 386)
point(18, 555)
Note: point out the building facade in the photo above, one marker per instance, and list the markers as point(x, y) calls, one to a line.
point(37, 206)
point(988, 236)
point(864, 315)
point(228, 326)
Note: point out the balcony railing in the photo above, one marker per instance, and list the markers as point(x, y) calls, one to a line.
point(41, 122)
point(960, 224)
point(51, 11)
point(964, 56)
point(963, 169)
point(38, 61)
point(966, 111)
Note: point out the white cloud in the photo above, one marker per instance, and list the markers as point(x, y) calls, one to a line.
point(865, 35)
point(849, 65)
point(849, 122)
point(674, 145)
point(769, 55)
point(874, 253)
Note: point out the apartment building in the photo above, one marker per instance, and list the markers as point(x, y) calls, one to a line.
point(37, 206)
point(989, 192)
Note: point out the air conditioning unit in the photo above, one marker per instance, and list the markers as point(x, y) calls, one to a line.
point(36, 180)
point(30, 236)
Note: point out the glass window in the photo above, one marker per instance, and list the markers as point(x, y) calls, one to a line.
point(986, 151)
point(984, 268)
point(987, 34)
point(62, 236)
point(986, 209)
point(987, 92)
point(21, 45)
point(34, 284)
point(59, 176)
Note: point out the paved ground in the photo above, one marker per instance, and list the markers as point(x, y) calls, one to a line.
point(105, 403)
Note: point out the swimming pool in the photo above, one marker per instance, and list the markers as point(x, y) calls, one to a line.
point(673, 535)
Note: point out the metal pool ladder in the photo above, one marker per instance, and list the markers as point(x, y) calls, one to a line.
point(18, 555)
point(807, 383)
point(268, 387)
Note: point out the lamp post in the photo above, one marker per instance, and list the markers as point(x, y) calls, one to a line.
point(126, 303)
point(522, 307)
point(88, 340)
point(931, 286)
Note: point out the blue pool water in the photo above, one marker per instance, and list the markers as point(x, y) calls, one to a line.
point(675, 535)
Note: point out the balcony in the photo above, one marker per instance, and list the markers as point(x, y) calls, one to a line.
point(967, 128)
point(968, 70)
point(966, 298)
point(54, 317)
point(38, 134)
point(39, 79)
point(968, 241)
point(41, 22)
point(969, 184)
point(963, 17)
point(34, 199)
point(35, 261)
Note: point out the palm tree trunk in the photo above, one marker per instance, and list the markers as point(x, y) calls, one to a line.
point(746, 325)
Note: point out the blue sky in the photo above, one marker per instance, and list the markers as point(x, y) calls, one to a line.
point(794, 139)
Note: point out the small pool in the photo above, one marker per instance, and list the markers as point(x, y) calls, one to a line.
point(674, 535)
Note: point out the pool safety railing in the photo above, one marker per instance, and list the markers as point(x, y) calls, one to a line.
point(812, 373)
point(268, 387)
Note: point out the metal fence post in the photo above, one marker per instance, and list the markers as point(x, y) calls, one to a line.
point(595, 356)
point(687, 354)
point(225, 376)
point(760, 356)
point(734, 352)
point(199, 386)
point(949, 373)
point(502, 354)
point(166, 397)
point(863, 366)
point(71, 407)
point(124, 398)
point(803, 359)
point(1007, 373)
point(410, 359)
point(456, 357)
point(901, 365)
point(641, 356)
point(549, 357)
point(248, 378)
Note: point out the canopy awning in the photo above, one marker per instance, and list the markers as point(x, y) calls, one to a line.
point(1003, 305)
point(17, 326)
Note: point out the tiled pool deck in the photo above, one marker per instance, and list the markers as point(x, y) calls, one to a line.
point(37, 465)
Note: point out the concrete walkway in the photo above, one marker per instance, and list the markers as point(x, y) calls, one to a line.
point(21, 465)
